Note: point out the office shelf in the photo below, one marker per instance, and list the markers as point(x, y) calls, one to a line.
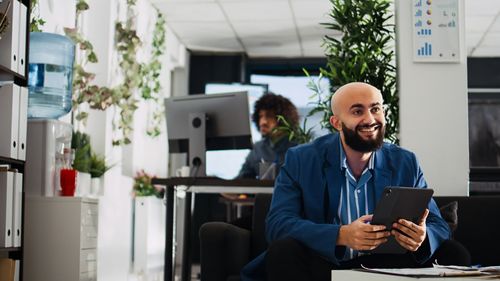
point(8, 75)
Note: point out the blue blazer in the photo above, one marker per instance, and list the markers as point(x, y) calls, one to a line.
point(307, 193)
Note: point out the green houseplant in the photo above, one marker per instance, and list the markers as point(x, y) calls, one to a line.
point(364, 53)
point(80, 142)
point(98, 166)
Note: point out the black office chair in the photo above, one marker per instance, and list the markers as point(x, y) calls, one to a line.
point(225, 249)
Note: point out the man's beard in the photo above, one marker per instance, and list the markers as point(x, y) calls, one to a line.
point(356, 142)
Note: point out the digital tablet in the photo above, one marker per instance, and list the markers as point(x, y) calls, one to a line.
point(399, 203)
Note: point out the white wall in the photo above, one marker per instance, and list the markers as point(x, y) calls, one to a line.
point(150, 154)
point(115, 206)
point(433, 109)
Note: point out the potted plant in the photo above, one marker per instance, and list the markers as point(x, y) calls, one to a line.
point(98, 167)
point(148, 221)
point(364, 53)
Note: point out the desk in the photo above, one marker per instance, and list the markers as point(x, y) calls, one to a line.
point(197, 185)
point(354, 275)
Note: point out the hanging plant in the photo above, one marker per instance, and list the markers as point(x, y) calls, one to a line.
point(145, 77)
point(136, 76)
point(83, 91)
point(36, 21)
point(127, 45)
point(151, 86)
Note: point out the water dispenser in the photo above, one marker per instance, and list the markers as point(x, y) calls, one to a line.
point(50, 75)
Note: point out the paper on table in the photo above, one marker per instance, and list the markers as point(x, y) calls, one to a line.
point(487, 269)
point(424, 272)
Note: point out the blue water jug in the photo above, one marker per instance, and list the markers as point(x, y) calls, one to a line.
point(50, 75)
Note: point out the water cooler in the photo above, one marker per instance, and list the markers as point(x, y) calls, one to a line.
point(48, 140)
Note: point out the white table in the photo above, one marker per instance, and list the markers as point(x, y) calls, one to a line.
point(354, 275)
point(197, 185)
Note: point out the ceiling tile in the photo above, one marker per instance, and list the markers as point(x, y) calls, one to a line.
point(313, 48)
point(311, 9)
point(310, 30)
point(481, 7)
point(202, 29)
point(478, 23)
point(256, 11)
point(472, 38)
point(213, 44)
point(274, 28)
point(492, 39)
point(191, 11)
point(496, 25)
point(181, 1)
point(278, 52)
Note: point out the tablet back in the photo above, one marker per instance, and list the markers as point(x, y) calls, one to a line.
point(399, 203)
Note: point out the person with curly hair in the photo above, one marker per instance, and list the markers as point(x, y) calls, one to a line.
point(274, 144)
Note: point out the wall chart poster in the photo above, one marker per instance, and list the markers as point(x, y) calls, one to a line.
point(436, 33)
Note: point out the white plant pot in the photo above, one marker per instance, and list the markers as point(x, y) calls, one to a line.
point(82, 184)
point(96, 187)
point(149, 234)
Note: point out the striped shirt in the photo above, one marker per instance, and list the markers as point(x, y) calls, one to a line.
point(356, 196)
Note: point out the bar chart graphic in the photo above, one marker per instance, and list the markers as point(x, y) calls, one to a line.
point(435, 26)
point(424, 32)
point(425, 50)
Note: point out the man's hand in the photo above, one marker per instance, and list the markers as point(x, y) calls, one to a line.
point(414, 234)
point(359, 235)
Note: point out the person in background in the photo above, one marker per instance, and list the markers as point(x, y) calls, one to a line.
point(274, 144)
point(270, 150)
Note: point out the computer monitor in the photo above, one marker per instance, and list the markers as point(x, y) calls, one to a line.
point(198, 123)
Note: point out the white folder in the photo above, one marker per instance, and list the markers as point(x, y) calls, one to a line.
point(17, 210)
point(6, 200)
point(9, 120)
point(23, 123)
point(10, 39)
point(21, 62)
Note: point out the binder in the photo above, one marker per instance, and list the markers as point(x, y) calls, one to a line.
point(21, 62)
point(6, 199)
point(8, 269)
point(17, 202)
point(10, 39)
point(23, 123)
point(9, 120)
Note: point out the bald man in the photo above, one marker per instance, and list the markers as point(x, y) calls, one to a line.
point(326, 192)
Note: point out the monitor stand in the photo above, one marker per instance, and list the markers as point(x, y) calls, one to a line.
point(197, 144)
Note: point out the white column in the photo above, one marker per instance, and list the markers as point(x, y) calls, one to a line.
point(433, 109)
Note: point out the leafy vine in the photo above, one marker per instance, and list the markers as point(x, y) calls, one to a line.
point(151, 85)
point(136, 75)
point(36, 21)
point(83, 91)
